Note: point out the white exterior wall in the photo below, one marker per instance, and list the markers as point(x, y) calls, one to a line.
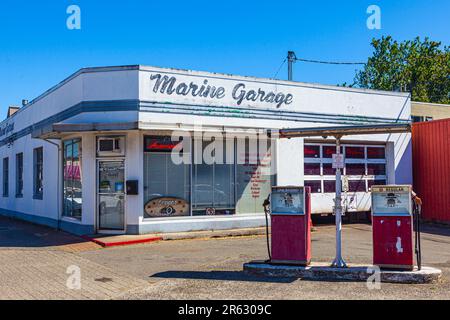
point(289, 162)
point(47, 207)
point(311, 106)
point(134, 163)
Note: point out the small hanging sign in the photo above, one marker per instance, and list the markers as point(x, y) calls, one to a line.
point(338, 161)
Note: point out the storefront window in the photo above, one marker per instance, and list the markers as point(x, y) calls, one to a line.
point(72, 166)
point(166, 184)
point(253, 178)
point(213, 184)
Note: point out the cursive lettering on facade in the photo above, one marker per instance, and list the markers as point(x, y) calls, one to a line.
point(170, 85)
point(6, 129)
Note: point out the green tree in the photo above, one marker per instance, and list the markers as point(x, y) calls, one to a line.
point(419, 67)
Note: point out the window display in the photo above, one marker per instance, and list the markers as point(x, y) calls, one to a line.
point(215, 187)
point(162, 179)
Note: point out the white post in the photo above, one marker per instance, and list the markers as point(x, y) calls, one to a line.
point(338, 261)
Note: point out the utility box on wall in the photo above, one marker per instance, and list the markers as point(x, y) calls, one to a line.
point(132, 187)
point(431, 168)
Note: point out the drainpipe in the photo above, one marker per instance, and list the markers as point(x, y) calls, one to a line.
point(58, 212)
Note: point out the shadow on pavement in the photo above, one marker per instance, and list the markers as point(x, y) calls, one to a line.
point(220, 275)
point(16, 233)
point(439, 230)
point(238, 276)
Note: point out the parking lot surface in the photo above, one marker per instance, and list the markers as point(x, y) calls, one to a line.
point(34, 262)
point(212, 268)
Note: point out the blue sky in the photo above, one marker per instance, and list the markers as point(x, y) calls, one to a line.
point(238, 37)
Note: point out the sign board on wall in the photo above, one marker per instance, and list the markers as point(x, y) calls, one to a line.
point(160, 144)
point(214, 91)
point(7, 128)
point(338, 161)
point(192, 90)
point(167, 207)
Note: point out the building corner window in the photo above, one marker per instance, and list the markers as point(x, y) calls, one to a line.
point(72, 171)
point(38, 178)
point(5, 177)
point(19, 175)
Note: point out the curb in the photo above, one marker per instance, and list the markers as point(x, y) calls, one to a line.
point(121, 243)
point(213, 234)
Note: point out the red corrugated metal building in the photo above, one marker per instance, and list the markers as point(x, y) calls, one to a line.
point(431, 168)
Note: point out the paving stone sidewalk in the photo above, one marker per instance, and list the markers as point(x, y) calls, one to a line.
point(42, 274)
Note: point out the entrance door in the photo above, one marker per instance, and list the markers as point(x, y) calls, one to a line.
point(111, 195)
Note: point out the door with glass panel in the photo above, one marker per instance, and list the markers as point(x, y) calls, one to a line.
point(111, 195)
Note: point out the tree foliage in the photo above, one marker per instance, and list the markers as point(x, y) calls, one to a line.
point(419, 67)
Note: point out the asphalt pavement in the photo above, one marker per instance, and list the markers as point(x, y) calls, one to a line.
point(35, 261)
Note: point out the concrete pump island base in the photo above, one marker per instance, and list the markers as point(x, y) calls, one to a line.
point(323, 272)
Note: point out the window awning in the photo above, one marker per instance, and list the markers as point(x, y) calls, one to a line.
point(56, 130)
point(341, 130)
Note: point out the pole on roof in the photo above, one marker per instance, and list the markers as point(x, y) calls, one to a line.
point(291, 57)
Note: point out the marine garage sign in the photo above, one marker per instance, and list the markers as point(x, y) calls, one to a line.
point(7, 128)
point(204, 90)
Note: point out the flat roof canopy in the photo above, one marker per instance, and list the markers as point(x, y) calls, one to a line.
point(56, 130)
point(341, 130)
point(338, 133)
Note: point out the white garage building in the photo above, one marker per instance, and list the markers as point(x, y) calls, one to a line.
point(95, 153)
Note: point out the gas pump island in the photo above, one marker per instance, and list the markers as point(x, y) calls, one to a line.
point(392, 223)
point(392, 226)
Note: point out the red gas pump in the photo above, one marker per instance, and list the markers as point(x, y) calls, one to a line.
point(291, 225)
point(392, 226)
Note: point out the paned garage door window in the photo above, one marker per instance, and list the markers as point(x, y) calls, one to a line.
point(365, 166)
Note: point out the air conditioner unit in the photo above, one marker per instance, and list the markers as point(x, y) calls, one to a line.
point(110, 146)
